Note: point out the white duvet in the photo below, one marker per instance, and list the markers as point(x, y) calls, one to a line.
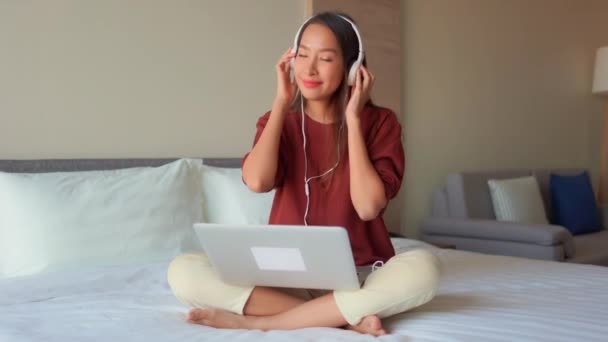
point(481, 298)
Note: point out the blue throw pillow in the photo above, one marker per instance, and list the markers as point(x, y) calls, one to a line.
point(573, 203)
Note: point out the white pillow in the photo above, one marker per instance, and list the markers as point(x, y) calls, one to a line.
point(518, 199)
point(228, 200)
point(69, 220)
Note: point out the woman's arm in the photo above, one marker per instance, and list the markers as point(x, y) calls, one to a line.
point(366, 187)
point(260, 167)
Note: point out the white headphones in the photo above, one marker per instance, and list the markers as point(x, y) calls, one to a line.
point(352, 72)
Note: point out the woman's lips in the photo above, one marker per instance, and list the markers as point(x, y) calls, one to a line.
point(311, 84)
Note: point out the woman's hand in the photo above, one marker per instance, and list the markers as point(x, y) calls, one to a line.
point(360, 93)
point(286, 89)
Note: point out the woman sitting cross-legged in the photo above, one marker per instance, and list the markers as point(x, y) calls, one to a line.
point(335, 159)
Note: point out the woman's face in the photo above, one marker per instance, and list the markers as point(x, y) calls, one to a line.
point(318, 66)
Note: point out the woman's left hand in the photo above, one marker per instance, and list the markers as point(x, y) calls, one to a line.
point(360, 93)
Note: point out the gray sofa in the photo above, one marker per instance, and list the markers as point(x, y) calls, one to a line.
point(463, 216)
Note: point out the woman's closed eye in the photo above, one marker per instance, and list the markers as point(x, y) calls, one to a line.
point(324, 59)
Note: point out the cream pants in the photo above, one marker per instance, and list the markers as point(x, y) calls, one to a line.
point(406, 281)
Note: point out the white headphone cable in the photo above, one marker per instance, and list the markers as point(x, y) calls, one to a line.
point(306, 179)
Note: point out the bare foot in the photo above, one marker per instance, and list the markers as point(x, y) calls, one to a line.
point(217, 318)
point(369, 325)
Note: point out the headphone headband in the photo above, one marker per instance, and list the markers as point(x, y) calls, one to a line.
point(353, 69)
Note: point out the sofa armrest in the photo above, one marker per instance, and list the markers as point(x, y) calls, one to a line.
point(603, 214)
point(538, 234)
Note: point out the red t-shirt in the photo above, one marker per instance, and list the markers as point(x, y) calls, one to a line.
point(330, 201)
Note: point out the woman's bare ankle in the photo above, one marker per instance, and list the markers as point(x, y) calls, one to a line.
point(369, 325)
point(267, 301)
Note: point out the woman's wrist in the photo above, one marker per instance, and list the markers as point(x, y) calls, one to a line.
point(280, 105)
point(352, 120)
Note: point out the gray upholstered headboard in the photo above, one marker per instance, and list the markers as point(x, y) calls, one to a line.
point(57, 165)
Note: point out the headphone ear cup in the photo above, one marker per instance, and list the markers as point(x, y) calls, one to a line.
point(352, 73)
point(292, 70)
point(292, 64)
point(292, 61)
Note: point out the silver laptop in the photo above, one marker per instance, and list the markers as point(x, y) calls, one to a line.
point(281, 255)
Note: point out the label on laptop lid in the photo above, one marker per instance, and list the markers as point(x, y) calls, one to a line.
point(278, 259)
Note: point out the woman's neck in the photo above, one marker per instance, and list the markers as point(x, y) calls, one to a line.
point(321, 111)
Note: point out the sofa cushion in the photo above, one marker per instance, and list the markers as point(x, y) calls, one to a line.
point(517, 200)
point(574, 204)
point(543, 177)
point(440, 206)
point(469, 195)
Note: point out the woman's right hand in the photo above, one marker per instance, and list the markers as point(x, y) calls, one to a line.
point(286, 89)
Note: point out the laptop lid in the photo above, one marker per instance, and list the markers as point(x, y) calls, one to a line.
point(312, 257)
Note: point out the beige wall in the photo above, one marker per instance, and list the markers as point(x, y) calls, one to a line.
point(138, 78)
point(146, 78)
point(497, 84)
point(487, 83)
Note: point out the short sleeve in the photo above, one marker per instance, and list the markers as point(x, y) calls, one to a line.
point(280, 174)
point(386, 152)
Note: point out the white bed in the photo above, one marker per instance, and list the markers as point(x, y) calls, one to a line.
point(481, 297)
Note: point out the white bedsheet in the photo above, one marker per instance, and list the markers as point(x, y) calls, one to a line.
point(481, 298)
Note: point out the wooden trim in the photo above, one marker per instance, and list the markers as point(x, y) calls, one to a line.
point(308, 8)
point(601, 193)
